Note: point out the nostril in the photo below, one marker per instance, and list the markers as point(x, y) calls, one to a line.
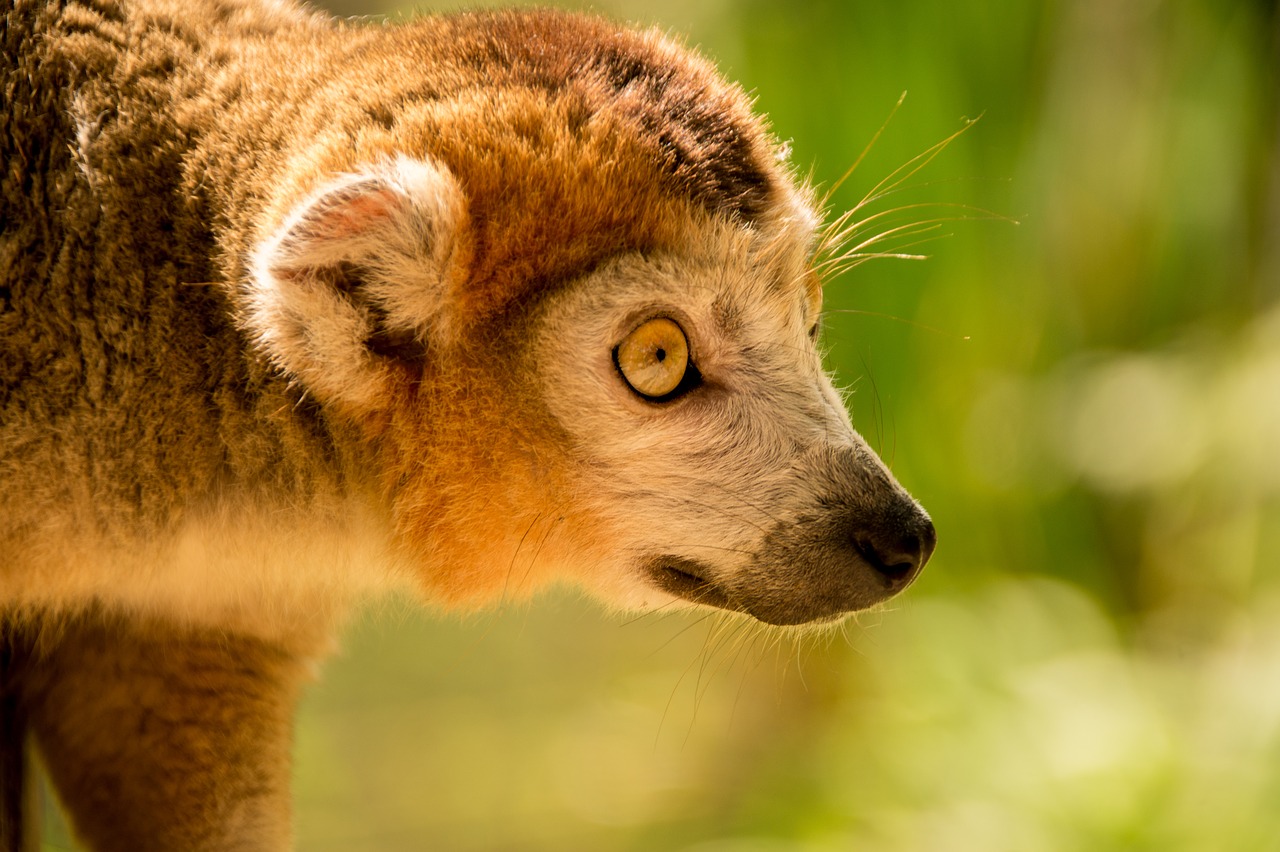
point(896, 547)
point(896, 558)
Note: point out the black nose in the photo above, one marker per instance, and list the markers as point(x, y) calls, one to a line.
point(896, 546)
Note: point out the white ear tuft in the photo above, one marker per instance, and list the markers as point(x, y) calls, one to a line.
point(355, 279)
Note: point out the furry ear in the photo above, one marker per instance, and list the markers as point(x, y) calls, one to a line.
point(355, 280)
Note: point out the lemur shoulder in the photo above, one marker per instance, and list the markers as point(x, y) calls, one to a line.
point(295, 311)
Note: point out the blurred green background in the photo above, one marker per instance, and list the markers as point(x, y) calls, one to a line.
point(1086, 400)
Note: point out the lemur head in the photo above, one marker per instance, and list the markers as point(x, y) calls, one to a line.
point(563, 286)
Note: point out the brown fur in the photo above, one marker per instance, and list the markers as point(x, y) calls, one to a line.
point(296, 311)
point(192, 735)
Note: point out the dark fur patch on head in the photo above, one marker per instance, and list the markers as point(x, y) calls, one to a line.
point(573, 140)
point(713, 157)
point(699, 128)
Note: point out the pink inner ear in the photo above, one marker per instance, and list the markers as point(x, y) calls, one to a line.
point(342, 214)
point(354, 214)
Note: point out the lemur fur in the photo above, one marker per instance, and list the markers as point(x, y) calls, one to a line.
point(297, 311)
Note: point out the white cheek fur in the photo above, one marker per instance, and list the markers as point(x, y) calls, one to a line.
point(704, 477)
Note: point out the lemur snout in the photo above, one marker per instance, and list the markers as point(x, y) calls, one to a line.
point(854, 540)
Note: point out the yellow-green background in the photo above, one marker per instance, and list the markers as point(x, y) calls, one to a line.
point(1087, 401)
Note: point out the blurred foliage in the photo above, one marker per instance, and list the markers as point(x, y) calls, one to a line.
point(1088, 401)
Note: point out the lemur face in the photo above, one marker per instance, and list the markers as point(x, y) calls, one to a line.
point(658, 428)
point(706, 437)
point(571, 307)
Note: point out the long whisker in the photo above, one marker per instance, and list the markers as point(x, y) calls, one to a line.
point(845, 242)
point(752, 648)
point(847, 232)
point(694, 623)
point(720, 547)
point(904, 172)
point(877, 408)
point(865, 151)
point(726, 513)
point(711, 632)
point(743, 639)
point(671, 609)
point(750, 504)
point(725, 631)
point(832, 231)
point(506, 583)
point(835, 265)
point(839, 256)
point(970, 213)
point(895, 318)
point(537, 551)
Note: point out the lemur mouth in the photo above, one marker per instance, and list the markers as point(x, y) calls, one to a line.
point(685, 578)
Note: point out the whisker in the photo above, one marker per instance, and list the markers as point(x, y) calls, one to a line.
point(700, 659)
point(724, 512)
point(837, 241)
point(852, 231)
point(838, 264)
point(724, 548)
point(893, 433)
point(734, 494)
point(671, 609)
point(737, 629)
point(756, 637)
point(777, 344)
point(919, 161)
point(694, 623)
point(533, 558)
point(899, 319)
point(865, 151)
point(724, 632)
point(901, 232)
point(744, 639)
point(506, 583)
point(854, 237)
point(877, 410)
point(666, 710)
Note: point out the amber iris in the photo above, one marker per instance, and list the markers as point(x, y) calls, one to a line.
point(653, 358)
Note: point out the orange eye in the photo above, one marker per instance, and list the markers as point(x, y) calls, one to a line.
point(654, 358)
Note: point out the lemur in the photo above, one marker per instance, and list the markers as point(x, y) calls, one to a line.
point(297, 311)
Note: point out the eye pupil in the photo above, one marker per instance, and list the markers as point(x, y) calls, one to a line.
point(661, 355)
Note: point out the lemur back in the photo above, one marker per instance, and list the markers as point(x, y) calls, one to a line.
point(296, 311)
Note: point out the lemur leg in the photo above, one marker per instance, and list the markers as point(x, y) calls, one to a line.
point(167, 739)
point(15, 830)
